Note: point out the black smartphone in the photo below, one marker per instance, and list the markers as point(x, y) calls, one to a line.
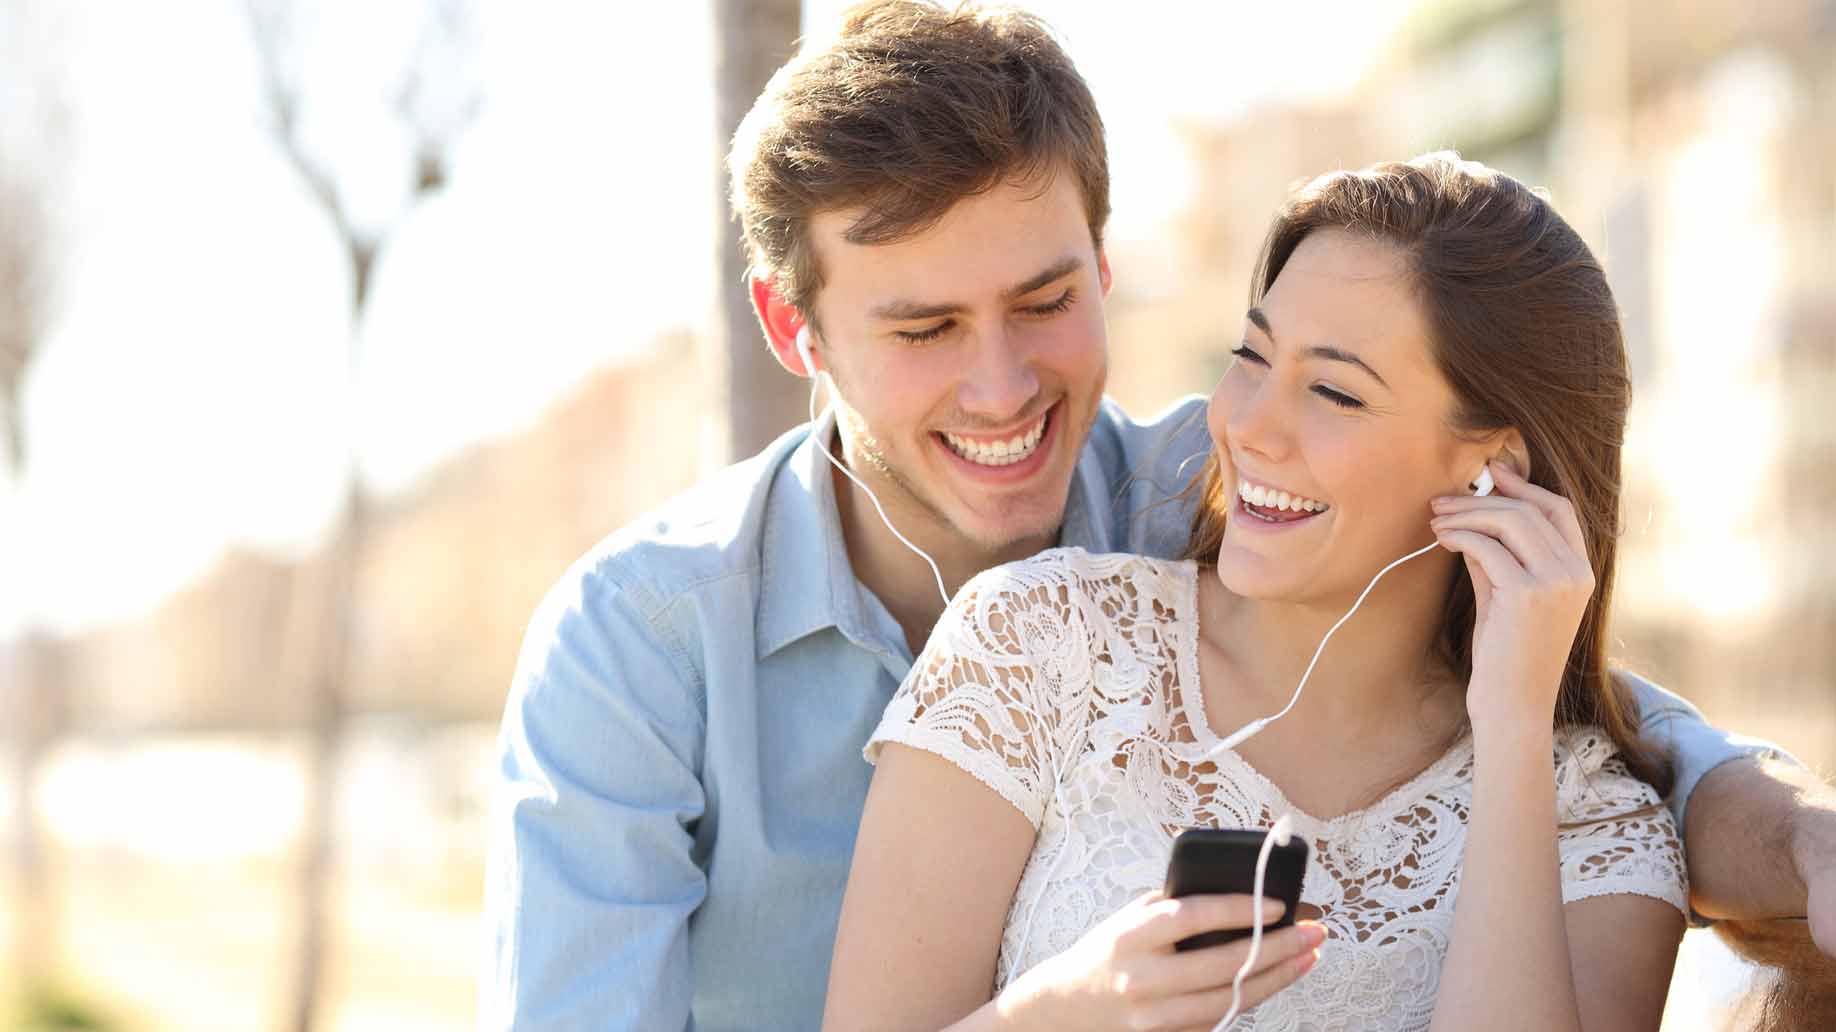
point(1223, 861)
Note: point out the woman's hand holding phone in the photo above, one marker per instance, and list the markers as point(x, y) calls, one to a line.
point(1126, 973)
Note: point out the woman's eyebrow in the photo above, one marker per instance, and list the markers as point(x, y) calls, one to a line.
point(1330, 354)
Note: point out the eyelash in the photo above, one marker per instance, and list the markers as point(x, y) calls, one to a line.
point(1243, 351)
point(1046, 310)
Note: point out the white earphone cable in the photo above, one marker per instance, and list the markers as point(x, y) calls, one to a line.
point(1277, 836)
point(803, 349)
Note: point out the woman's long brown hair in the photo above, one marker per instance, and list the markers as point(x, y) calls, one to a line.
point(1525, 330)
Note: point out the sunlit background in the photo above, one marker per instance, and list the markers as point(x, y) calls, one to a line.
point(331, 331)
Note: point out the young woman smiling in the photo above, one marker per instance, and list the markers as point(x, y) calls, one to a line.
point(1487, 844)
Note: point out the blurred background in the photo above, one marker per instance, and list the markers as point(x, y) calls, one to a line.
point(331, 331)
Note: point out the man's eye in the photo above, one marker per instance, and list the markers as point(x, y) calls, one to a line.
point(1243, 351)
point(1064, 302)
point(923, 336)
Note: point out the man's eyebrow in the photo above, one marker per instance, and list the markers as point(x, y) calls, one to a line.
point(1057, 270)
point(1330, 354)
point(903, 310)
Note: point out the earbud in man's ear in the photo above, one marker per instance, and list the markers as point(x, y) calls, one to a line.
point(1483, 483)
point(803, 350)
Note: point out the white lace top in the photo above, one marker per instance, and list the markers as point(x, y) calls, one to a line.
point(1088, 665)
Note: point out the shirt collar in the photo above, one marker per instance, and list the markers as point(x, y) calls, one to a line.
point(1090, 510)
point(803, 535)
point(806, 581)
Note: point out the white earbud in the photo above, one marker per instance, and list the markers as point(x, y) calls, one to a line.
point(803, 351)
point(1483, 483)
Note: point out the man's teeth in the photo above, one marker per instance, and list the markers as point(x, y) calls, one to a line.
point(998, 453)
point(1268, 498)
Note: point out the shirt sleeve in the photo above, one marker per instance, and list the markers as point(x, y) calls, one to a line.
point(1692, 744)
point(990, 691)
point(590, 879)
point(1615, 836)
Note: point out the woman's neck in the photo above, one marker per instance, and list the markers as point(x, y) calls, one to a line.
point(1379, 669)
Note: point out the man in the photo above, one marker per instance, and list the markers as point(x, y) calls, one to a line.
point(681, 777)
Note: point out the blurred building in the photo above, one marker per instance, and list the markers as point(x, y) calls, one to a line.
point(451, 573)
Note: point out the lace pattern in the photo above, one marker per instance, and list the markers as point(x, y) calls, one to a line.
point(1071, 666)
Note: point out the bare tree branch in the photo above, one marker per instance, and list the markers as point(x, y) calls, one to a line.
point(274, 27)
point(23, 279)
point(32, 698)
point(435, 103)
point(438, 99)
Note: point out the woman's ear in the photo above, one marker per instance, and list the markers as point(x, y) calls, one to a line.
point(1511, 450)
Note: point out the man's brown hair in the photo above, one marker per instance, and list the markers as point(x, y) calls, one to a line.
point(912, 108)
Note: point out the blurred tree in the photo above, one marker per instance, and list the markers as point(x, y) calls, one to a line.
point(31, 692)
point(434, 101)
point(756, 400)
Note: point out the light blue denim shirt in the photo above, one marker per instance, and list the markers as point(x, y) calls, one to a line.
point(680, 777)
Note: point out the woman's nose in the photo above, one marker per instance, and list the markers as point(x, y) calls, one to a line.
point(1258, 423)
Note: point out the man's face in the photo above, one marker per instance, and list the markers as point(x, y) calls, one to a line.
point(970, 360)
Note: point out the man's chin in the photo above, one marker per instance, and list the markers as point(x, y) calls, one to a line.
point(1007, 540)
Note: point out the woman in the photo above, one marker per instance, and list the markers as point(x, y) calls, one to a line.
point(1487, 844)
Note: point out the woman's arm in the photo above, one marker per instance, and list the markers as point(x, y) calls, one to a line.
point(1622, 949)
point(936, 864)
point(1509, 965)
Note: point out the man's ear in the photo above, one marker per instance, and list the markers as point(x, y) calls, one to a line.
point(1103, 276)
point(780, 320)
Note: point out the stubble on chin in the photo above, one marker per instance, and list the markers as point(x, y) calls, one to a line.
point(868, 451)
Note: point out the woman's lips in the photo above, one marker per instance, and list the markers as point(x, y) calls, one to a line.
point(1250, 520)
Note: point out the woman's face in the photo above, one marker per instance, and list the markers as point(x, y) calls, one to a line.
point(1334, 401)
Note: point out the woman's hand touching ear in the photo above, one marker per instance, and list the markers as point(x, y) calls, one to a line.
point(1524, 549)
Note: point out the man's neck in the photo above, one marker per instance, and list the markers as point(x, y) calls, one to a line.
point(897, 576)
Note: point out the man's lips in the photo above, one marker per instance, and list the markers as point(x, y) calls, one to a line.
point(1006, 457)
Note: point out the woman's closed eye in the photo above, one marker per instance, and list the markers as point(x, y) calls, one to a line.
point(1245, 353)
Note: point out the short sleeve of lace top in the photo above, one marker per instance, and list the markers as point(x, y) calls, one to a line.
point(1616, 836)
point(987, 694)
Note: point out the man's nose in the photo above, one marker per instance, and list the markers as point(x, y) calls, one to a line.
point(1000, 381)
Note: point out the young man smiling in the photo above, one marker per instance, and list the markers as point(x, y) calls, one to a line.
point(680, 776)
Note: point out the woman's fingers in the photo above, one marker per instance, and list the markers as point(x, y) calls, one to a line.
point(1501, 567)
point(1536, 545)
point(1201, 1010)
point(1206, 969)
point(1558, 510)
point(1170, 920)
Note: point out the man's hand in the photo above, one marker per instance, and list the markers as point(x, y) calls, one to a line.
point(1814, 856)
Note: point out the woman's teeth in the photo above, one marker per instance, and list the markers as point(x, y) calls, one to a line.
point(1268, 498)
point(997, 453)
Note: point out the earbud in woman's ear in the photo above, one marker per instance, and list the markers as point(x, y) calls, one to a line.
point(1483, 484)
